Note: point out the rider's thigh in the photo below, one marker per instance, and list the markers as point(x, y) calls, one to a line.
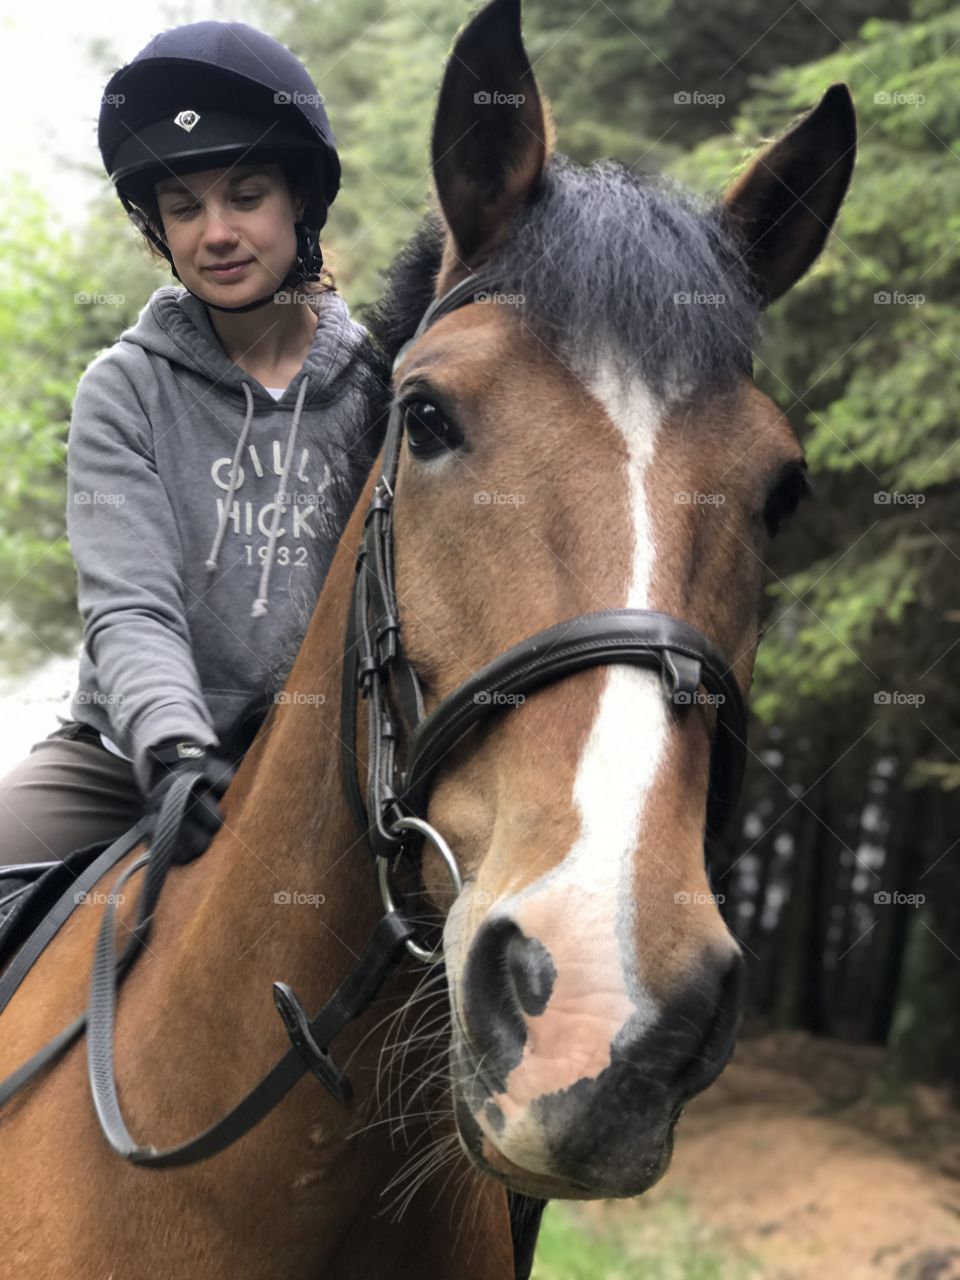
point(67, 793)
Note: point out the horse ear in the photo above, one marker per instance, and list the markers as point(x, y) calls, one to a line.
point(785, 203)
point(490, 133)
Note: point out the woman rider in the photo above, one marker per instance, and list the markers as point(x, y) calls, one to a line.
point(215, 451)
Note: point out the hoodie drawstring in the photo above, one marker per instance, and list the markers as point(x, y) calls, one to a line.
point(234, 470)
point(260, 604)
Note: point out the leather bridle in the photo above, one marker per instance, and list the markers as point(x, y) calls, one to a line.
point(392, 814)
point(375, 663)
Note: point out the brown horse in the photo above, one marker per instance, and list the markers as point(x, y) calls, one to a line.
point(589, 438)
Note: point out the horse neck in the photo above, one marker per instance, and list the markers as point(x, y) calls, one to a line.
point(289, 833)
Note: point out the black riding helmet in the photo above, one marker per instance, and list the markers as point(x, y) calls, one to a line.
point(215, 93)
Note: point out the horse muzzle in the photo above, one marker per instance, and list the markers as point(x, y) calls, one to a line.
point(547, 1101)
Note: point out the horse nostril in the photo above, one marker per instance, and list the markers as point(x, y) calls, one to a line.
point(508, 977)
point(532, 972)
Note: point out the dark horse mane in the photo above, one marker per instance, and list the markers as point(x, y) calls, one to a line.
point(599, 259)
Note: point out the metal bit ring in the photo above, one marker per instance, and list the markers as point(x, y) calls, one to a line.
point(383, 878)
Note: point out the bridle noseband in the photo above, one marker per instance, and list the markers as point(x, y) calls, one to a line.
point(374, 660)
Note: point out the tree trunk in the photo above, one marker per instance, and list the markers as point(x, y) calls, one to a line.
point(925, 1034)
point(902, 869)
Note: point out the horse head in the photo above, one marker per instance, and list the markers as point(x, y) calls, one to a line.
point(586, 436)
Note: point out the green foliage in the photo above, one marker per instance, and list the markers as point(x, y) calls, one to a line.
point(817, 633)
point(662, 1241)
point(378, 67)
point(58, 307)
point(564, 1252)
point(610, 73)
point(864, 355)
point(39, 365)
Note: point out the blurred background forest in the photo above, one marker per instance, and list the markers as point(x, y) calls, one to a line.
point(842, 876)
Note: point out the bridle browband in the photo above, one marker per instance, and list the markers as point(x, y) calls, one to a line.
point(374, 660)
point(392, 817)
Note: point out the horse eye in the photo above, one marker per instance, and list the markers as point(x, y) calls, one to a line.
point(784, 498)
point(428, 431)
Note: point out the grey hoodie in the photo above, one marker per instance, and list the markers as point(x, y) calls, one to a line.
point(203, 516)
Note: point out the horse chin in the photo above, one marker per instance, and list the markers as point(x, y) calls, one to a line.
point(486, 1157)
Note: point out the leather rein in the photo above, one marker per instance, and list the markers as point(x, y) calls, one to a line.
point(391, 817)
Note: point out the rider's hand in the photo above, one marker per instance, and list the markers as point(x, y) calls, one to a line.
point(203, 816)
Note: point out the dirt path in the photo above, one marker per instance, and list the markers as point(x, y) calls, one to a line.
point(787, 1158)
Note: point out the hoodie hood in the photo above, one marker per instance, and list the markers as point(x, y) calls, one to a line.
point(176, 325)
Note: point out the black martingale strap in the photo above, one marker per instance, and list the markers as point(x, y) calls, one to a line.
point(526, 1213)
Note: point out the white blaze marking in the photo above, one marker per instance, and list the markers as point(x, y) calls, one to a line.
point(629, 733)
point(583, 908)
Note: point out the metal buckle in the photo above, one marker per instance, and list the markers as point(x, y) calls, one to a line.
point(381, 501)
point(383, 878)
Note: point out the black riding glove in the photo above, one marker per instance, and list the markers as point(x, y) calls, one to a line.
point(203, 817)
